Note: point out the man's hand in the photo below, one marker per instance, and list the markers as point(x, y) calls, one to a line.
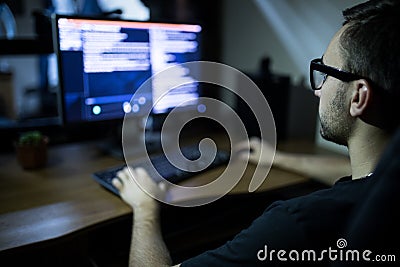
point(147, 245)
point(131, 182)
point(260, 152)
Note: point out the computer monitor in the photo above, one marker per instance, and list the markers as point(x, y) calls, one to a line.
point(102, 62)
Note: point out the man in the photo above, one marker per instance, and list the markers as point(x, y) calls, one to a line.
point(356, 81)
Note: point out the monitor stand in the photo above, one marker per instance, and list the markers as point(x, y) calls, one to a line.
point(112, 144)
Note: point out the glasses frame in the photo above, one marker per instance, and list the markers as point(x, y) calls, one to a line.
point(318, 65)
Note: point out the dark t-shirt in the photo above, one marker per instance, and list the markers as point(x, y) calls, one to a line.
point(314, 222)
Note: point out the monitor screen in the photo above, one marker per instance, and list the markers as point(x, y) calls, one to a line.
point(102, 63)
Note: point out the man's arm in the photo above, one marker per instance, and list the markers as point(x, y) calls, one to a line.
point(147, 246)
point(324, 168)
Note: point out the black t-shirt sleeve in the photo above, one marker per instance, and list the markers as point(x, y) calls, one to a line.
point(275, 229)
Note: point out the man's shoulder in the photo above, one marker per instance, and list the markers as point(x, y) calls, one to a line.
point(323, 214)
point(345, 190)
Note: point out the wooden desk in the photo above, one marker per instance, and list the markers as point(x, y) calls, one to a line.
point(48, 204)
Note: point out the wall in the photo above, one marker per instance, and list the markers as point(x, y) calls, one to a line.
point(290, 32)
point(23, 67)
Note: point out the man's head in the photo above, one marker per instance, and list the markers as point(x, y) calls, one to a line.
point(362, 87)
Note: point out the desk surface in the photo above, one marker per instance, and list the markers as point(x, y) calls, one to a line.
point(45, 204)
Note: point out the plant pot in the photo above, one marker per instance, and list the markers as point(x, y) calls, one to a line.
point(32, 156)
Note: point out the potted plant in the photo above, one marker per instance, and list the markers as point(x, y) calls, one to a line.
point(31, 149)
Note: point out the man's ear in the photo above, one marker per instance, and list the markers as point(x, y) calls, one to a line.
point(361, 98)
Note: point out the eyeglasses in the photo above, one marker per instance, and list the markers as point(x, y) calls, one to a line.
point(319, 72)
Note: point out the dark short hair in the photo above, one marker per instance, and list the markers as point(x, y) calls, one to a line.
point(371, 44)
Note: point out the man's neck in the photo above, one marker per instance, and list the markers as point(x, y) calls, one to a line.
point(365, 149)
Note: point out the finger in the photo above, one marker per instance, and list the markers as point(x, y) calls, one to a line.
point(250, 145)
point(143, 176)
point(122, 176)
point(163, 186)
point(243, 145)
point(254, 158)
point(255, 139)
point(127, 174)
point(245, 155)
point(145, 180)
point(254, 142)
point(141, 171)
point(117, 183)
